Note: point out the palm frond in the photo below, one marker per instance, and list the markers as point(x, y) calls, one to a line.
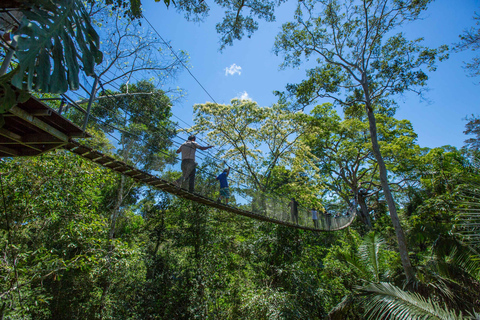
point(467, 221)
point(369, 250)
point(450, 251)
point(345, 306)
point(458, 292)
point(385, 301)
point(357, 265)
point(366, 262)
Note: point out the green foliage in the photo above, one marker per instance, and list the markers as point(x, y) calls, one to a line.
point(364, 62)
point(51, 235)
point(144, 122)
point(389, 65)
point(473, 128)
point(370, 262)
point(59, 28)
point(235, 24)
point(470, 40)
point(345, 162)
point(446, 286)
point(444, 175)
point(172, 259)
point(467, 212)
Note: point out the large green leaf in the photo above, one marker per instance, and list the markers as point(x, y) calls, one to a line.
point(51, 32)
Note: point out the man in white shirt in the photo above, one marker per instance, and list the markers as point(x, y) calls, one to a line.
point(188, 150)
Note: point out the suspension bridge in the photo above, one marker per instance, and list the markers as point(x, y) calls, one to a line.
point(32, 128)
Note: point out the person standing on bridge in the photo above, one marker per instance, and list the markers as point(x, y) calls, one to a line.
point(315, 218)
point(224, 189)
point(294, 210)
point(189, 165)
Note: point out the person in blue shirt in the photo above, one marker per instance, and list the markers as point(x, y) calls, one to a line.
point(224, 189)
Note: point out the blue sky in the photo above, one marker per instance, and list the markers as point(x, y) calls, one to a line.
point(438, 119)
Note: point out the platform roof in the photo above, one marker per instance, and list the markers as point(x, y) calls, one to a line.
point(32, 128)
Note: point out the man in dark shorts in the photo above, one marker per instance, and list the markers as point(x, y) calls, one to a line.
point(188, 150)
point(224, 189)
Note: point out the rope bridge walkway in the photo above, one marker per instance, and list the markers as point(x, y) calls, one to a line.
point(275, 210)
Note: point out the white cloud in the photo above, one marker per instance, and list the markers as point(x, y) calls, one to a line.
point(233, 69)
point(243, 96)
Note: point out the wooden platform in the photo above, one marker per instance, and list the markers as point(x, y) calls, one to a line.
point(32, 128)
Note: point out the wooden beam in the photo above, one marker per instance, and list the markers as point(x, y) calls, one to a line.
point(43, 139)
point(123, 168)
point(92, 155)
point(17, 139)
point(40, 138)
point(157, 184)
point(41, 113)
point(9, 151)
point(10, 135)
point(136, 175)
point(38, 123)
point(98, 158)
point(48, 147)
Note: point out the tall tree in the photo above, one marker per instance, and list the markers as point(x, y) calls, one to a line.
point(259, 139)
point(132, 51)
point(361, 63)
point(470, 40)
point(344, 157)
point(144, 129)
point(473, 128)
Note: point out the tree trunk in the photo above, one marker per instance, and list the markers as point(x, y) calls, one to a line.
point(364, 211)
point(402, 243)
